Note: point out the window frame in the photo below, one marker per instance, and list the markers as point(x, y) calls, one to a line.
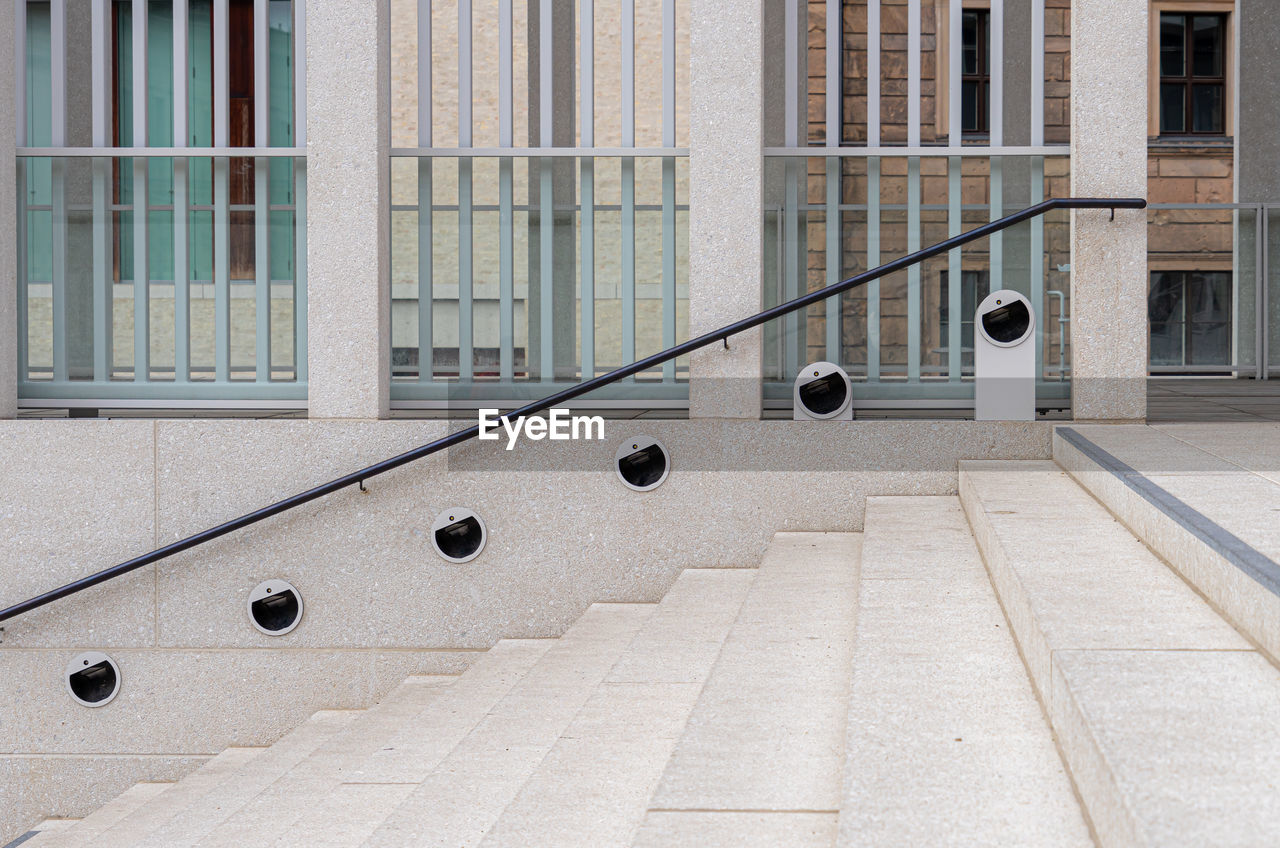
point(982, 78)
point(1224, 8)
point(942, 116)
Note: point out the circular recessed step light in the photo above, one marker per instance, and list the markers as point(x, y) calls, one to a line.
point(93, 679)
point(275, 607)
point(458, 534)
point(642, 463)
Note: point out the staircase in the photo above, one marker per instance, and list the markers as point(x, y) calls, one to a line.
point(1013, 666)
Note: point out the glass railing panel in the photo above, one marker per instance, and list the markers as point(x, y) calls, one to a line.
point(155, 279)
point(526, 272)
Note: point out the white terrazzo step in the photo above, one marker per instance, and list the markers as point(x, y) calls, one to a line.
point(260, 815)
point(48, 832)
point(458, 800)
point(1167, 717)
point(1205, 498)
point(184, 803)
point(946, 742)
point(85, 832)
point(592, 788)
point(205, 812)
point(156, 811)
point(767, 731)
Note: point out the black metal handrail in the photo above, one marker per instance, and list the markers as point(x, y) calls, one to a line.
point(722, 334)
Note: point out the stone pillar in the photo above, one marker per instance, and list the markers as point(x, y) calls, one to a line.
point(1109, 258)
point(726, 198)
point(8, 221)
point(348, 192)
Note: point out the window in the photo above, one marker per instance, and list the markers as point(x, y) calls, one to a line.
point(975, 65)
point(1190, 313)
point(1193, 74)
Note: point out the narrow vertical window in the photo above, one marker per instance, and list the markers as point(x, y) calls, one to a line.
point(975, 93)
point(1193, 74)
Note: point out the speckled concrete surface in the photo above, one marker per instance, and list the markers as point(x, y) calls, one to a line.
point(1109, 257)
point(348, 189)
point(37, 785)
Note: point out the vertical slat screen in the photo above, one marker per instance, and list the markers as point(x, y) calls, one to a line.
point(913, 189)
point(100, 96)
point(300, 188)
point(506, 197)
point(22, 173)
point(628, 252)
point(141, 248)
point(587, 98)
point(466, 217)
point(58, 138)
point(181, 138)
point(834, 228)
point(426, 343)
point(668, 184)
point(261, 216)
point(873, 188)
point(955, 223)
point(221, 196)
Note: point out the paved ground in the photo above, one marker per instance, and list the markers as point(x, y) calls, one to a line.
point(1212, 399)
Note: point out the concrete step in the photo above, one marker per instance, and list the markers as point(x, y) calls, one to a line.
point(187, 799)
point(418, 724)
point(45, 834)
point(1168, 719)
point(766, 735)
point(592, 788)
point(86, 831)
point(260, 814)
point(458, 800)
point(946, 742)
point(155, 811)
point(206, 812)
point(1206, 499)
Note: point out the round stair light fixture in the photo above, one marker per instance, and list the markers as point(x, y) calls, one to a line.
point(93, 679)
point(642, 463)
point(458, 534)
point(275, 607)
point(822, 391)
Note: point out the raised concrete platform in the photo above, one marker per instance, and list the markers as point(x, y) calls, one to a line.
point(1167, 717)
point(1206, 498)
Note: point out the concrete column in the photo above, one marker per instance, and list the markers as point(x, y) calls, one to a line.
point(348, 192)
point(1109, 258)
point(8, 221)
point(726, 197)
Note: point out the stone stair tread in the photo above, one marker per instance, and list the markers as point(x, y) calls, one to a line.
point(460, 798)
point(593, 786)
point(88, 828)
point(176, 805)
point(1127, 658)
point(205, 812)
point(46, 834)
point(946, 742)
point(272, 811)
point(767, 731)
point(141, 819)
